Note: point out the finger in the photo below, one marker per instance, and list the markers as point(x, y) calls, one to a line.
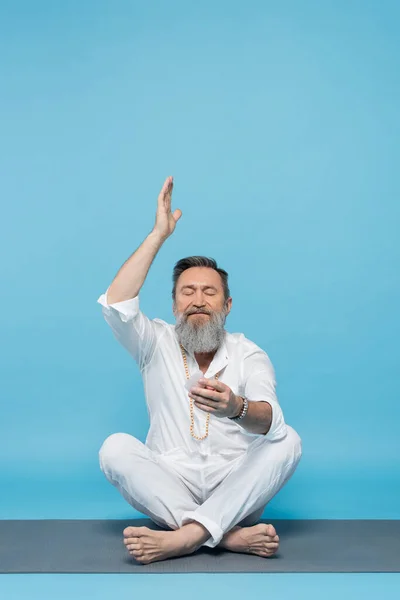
point(167, 197)
point(214, 383)
point(207, 401)
point(204, 393)
point(177, 214)
point(204, 407)
point(166, 190)
point(203, 400)
point(204, 386)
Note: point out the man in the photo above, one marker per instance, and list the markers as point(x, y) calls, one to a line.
point(215, 453)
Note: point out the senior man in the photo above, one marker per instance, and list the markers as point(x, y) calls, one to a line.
point(218, 448)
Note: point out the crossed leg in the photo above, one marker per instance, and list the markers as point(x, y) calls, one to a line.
point(156, 491)
point(159, 493)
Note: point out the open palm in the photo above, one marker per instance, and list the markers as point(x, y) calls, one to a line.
point(165, 219)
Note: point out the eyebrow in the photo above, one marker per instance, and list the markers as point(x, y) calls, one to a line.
point(203, 287)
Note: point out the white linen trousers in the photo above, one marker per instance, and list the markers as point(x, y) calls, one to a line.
point(176, 488)
point(221, 481)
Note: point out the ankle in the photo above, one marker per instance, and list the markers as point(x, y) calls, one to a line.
point(229, 533)
point(235, 528)
point(194, 535)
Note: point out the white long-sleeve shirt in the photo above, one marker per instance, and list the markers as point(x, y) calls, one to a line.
point(154, 345)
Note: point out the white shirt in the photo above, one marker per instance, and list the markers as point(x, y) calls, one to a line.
point(154, 345)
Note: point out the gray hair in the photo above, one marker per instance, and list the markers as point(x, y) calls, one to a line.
point(199, 261)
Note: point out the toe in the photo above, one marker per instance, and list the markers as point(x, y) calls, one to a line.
point(133, 531)
point(266, 529)
point(134, 547)
point(271, 531)
point(271, 546)
point(131, 540)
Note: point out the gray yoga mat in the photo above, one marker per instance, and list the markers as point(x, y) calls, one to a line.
point(96, 546)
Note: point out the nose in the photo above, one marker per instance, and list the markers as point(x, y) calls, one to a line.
point(199, 300)
point(198, 305)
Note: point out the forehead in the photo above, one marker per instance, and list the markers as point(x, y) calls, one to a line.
point(200, 276)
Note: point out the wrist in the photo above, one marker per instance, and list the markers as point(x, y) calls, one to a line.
point(157, 237)
point(239, 407)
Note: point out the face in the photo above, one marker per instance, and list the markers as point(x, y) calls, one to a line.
point(200, 309)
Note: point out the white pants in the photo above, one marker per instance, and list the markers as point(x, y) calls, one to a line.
point(217, 491)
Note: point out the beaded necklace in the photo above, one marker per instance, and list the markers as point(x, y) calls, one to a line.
point(191, 401)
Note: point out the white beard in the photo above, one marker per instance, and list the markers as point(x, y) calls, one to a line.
point(201, 333)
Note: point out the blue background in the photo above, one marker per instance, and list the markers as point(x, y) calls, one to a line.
point(280, 124)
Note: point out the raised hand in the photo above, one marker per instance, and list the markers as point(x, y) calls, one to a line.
point(165, 219)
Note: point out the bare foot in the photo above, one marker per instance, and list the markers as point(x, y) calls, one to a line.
point(147, 545)
point(260, 539)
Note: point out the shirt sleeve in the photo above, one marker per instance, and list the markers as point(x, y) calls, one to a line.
point(260, 385)
point(132, 328)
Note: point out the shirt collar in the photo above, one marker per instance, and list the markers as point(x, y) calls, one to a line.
point(219, 361)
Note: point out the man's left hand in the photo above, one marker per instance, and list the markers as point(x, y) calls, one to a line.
point(216, 397)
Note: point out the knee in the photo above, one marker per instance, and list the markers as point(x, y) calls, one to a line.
point(113, 448)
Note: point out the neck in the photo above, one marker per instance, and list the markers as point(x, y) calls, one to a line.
point(204, 359)
point(205, 356)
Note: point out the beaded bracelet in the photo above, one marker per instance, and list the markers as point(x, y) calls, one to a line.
point(244, 410)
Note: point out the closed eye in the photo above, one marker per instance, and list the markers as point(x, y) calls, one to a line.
point(211, 292)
